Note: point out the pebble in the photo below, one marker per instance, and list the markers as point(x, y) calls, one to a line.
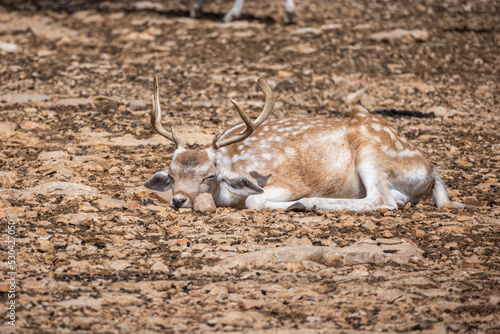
point(159, 266)
point(204, 203)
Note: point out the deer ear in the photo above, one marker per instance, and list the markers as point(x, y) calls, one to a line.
point(160, 182)
point(240, 185)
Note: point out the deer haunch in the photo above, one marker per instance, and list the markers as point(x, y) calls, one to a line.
point(360, 163)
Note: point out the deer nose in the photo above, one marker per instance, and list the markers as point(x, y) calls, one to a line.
point(178, 202)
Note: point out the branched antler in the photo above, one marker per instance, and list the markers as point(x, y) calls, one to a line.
point(156, 116)
point(251, 126)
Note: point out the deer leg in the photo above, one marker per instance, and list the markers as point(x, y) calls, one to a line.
point(235, 12)
point(272, 198)
point(196, 9)
point(378, 194)
point(290, 12)
point(377, 190)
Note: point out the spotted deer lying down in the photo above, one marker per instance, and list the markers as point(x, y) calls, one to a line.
point(360, 163)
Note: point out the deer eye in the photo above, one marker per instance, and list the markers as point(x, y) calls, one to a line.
point(208, 179)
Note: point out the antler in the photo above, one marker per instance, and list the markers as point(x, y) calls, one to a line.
point(156, 116)
point(251, 126)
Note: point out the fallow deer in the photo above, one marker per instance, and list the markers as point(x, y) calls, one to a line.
point(235, 12)
point(359, 163)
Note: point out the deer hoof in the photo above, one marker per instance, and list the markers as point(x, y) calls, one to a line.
point(297, 207)
point(290, 18)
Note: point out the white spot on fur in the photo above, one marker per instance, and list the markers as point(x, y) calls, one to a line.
point(401, 154)
point(389, 131)
point(290, 151)
point(240, 147)
point(408, 153)
point(399, 146)
point(376, 127)
point(265, 145)
point(267, 156)
point(363, 130)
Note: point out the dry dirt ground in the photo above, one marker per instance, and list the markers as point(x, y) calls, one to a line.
point(96, 252)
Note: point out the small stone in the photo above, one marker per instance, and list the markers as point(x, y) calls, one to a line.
point(8, 47)
point(159, 266)
point(173, 230)
point(45, 246)
point(472, 261)
point(108, 202)
point(131, 205)
point(285, 74)
point(7, 179)
point(7, 126)
point(471, 200)
point(204, 203)
point(184, 242)
point(387, 234)
point(419, 233)
point(4, 286)
point(118, 265)
point(82, 323)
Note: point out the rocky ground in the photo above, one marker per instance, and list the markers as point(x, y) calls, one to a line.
point(97, 252)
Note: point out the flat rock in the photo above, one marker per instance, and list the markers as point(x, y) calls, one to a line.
point(66, 189)
point(23, 98)
point(401, 35)
point(160, 266)
point(381, 251)
point(52, 155)
point(7, 179)
point(366, 251)
point(82, 301)
point(117, 265)
point(76, 218)
point(74, 102)
point(7, 126)
point(204, 203)
point(109, 202)
point(8, 47)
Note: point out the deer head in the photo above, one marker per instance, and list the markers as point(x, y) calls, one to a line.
point(193, 172)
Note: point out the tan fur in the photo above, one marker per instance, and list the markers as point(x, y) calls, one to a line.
point(308, 173)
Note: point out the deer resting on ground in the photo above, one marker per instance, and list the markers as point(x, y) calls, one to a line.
point(360, 163)
point(235, 12)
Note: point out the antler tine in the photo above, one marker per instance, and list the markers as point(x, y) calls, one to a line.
point(156, 116)
point(251, 126)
